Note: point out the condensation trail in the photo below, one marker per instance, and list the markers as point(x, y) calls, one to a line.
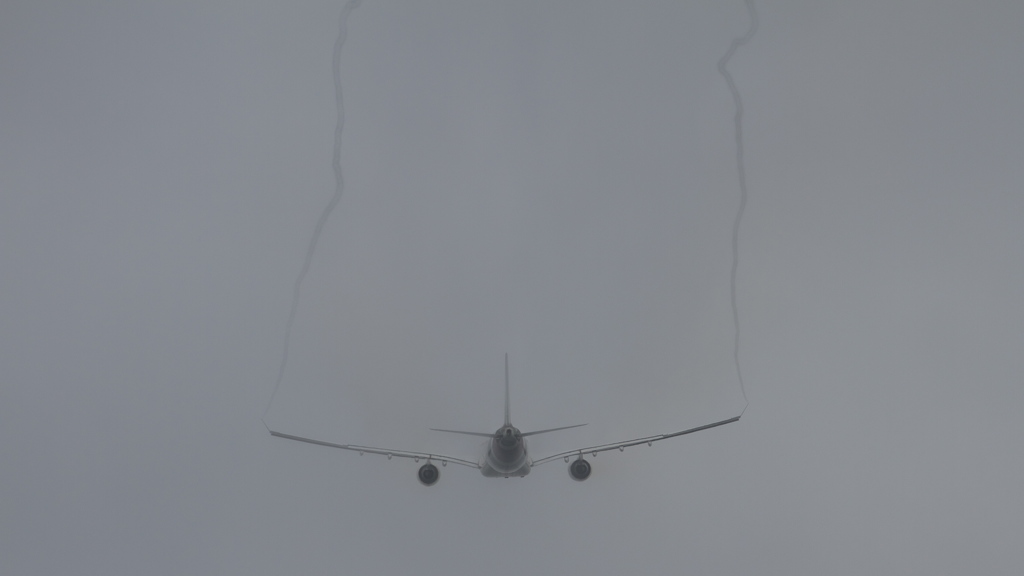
point(339, 187)
point(736, 43)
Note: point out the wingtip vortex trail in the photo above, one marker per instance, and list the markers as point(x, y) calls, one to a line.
point(741, 171)
point(340, 184)
point(338, 190)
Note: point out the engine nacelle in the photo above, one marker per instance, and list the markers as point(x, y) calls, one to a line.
point(428, 474)
point(579, 469)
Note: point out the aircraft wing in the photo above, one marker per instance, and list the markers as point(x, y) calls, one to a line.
point(593, 450)
point(382, 451)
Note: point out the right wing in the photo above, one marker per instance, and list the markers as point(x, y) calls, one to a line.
point(382, 451)
point(623, 445)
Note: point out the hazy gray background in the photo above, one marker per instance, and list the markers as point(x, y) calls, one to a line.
point(555, 180)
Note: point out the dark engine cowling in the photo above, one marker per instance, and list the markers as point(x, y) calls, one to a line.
point(579, 469)
point(428, 474)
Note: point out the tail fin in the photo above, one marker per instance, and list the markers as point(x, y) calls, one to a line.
point(508, 413)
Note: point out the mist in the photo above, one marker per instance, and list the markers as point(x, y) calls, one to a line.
point(823, 227)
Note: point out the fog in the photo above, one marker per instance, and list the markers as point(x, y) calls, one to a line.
point(553, 180)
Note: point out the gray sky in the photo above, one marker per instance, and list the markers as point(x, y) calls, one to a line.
point(555, 180)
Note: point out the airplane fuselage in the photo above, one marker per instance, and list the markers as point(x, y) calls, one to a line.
point(506, 454)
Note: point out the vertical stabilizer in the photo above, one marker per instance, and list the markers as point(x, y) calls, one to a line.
point(508, 413)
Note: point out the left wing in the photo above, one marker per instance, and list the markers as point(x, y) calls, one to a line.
point(593, 450)
point(382, 451)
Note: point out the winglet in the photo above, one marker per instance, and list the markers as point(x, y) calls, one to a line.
point(508, 413)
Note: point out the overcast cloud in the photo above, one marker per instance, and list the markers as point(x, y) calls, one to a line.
point(554, 180)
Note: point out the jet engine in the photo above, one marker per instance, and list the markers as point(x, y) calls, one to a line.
point(579, 469)
point(429, 474)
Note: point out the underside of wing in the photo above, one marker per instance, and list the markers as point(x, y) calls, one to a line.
point(382, 451)
point(593, 450)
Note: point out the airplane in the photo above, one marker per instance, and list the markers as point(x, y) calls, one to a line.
point(506, 454)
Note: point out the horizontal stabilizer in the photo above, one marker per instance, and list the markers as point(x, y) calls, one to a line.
point(552, 430)
point(487, 434)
